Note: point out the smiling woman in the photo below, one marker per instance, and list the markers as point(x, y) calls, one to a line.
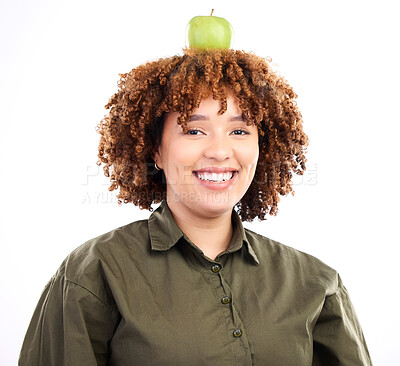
point(215, 137)
point(132, 131)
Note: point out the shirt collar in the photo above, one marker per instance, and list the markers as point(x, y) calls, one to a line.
point(165, 233)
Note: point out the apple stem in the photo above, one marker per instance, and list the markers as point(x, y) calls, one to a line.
point(212, 11)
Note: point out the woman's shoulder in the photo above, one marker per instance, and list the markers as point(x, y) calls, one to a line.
point(119, 241)
point(292, 262)
point(106, 254)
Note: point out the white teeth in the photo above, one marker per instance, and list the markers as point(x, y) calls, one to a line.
point(214, 177)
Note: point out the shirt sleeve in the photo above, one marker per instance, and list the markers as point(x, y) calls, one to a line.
point(70, 326)
point(338, 337)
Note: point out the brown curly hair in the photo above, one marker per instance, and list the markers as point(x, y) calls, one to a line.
point(131, 132)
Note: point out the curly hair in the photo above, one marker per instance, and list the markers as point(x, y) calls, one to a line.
point(132, 130)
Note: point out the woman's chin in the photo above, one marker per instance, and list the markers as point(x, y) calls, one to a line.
point(216, 203)
point(210, 204)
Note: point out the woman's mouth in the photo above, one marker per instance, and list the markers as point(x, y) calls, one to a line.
point(216, 181)
point(215, 177)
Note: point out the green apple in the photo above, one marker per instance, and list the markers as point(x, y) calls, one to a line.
point(209, 32)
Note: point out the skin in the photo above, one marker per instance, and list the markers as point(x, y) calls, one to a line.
point(202, 214)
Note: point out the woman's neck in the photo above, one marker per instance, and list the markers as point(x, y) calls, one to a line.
point(212, 234)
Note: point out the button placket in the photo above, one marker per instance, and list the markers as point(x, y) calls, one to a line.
point(225, 299)
point(238, 332)
point(235, 329)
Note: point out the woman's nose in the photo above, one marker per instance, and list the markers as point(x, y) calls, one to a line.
point(219, 148)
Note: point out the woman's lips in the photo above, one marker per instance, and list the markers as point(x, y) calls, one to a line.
point(217, 186)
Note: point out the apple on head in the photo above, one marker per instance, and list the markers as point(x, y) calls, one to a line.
point(209, 32)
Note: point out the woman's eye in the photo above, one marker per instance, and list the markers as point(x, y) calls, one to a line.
point(241, 132)
point(194, 132)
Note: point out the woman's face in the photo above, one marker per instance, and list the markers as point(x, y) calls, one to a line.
point(210, 168)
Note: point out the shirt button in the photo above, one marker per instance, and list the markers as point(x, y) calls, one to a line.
point(225, 300)
point(216, 268)
point(237, 333)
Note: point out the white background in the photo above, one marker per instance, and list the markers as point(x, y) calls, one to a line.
point(59, 65)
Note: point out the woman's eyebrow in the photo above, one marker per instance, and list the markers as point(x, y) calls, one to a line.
point(201, 117)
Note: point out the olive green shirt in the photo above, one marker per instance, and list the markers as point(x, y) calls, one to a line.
point(144, 294)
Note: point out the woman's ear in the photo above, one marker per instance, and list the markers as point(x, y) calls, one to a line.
point(157, 158)
point(156, 135)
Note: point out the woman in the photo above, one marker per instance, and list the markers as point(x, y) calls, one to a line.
point(201, 133)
